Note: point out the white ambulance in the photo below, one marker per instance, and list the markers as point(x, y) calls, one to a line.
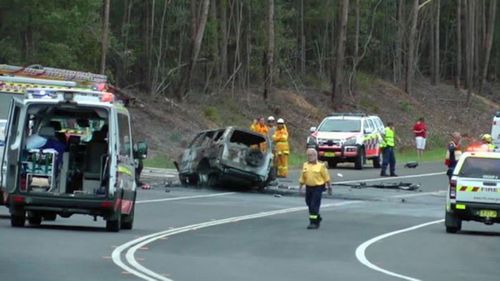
point(69, 151)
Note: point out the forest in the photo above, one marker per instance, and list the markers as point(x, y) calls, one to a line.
point(176, 48)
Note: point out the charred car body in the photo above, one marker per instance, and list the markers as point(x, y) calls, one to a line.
point(227, 155)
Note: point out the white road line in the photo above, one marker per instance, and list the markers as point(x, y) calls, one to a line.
point(361, 250)
point(144, 273)
point(392, 178)
point(184, 197)
point(419, 194)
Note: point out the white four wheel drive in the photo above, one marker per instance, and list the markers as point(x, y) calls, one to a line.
point(474, 190)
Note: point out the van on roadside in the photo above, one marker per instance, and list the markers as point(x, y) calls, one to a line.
point(48, 172)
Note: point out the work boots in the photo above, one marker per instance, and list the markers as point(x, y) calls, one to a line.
point(314, 223)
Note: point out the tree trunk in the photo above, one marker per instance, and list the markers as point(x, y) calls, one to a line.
point(469, 50)
point(224, 42)
point(338, 71)
point(435, 47)
point(490, 31)
point(302, 40)
point(105, 35)
point(458, 76)
point(410, 67)
point(196, 39)
point(270, 49)
point(399, 43)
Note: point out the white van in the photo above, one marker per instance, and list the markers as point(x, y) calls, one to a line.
point(495, 129)
point(69, 152)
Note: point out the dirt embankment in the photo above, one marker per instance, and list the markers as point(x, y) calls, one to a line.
point(168, 126)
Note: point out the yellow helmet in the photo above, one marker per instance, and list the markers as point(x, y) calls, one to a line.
point(486, 138)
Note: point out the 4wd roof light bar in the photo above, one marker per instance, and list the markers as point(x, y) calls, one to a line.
point(357, 114)
point(38, 71)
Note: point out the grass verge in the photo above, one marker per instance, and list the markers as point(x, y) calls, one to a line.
point(433, 155)
point(159, 161)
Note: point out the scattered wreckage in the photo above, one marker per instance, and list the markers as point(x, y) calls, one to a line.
point(230, 156)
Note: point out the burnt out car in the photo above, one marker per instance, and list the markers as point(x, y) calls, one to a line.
point(229, 156)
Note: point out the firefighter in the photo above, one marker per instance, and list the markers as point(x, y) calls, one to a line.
point(316, 179)
point(280, 140)
point(259, 126)
point(388, 157)
point(487, 140)
point(271, 127)
point(453, 153)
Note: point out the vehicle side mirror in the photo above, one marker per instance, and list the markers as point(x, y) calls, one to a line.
point(312, 129)
point(368, 130)
point(141, 150)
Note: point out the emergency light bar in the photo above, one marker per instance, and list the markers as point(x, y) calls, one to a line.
point(54, 73)
point(34, 81)
point(70, 95)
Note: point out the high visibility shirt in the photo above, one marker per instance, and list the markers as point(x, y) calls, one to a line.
point(261, 129)
point(280, 139)
point(314, 174)
point(388, 138)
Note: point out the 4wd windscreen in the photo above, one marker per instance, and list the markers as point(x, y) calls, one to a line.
point(340, 125)
point(485, 168)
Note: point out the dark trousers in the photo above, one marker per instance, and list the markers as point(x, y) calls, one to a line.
point(388, 159)
point(313, 201)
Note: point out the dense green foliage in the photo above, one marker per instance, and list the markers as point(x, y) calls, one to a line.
point(150, 40)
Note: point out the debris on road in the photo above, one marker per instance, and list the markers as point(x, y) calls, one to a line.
point(394, 185)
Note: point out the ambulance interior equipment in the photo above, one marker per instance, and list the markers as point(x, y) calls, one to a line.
point(81, 169)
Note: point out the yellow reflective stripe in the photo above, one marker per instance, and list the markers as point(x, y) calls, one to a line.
point(460, 206)
point(124, 170)
point(313, 217)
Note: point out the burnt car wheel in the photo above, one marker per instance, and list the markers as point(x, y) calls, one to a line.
point(254, 157)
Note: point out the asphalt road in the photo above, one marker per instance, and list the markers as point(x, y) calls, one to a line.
point(221, 234)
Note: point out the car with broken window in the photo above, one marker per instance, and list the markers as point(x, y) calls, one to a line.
point(231, 156)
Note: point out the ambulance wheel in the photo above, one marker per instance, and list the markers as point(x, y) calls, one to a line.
point(452, 222)
point(360, 159)
point(18, 219)
point(376, 162)
point(113, 224)
point(128, 220)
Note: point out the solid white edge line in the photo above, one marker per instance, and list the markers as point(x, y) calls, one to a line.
point(392, 178)
point(142, 272)
point(184, 198)
point(361, 250)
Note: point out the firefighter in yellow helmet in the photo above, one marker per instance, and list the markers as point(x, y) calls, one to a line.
point(487, 140)
point(280, 140)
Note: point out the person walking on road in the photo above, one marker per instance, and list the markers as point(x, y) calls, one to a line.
point(282, 148)
point(316, 179)
point(388, 156)
point(453, 153)
point(420, 131)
